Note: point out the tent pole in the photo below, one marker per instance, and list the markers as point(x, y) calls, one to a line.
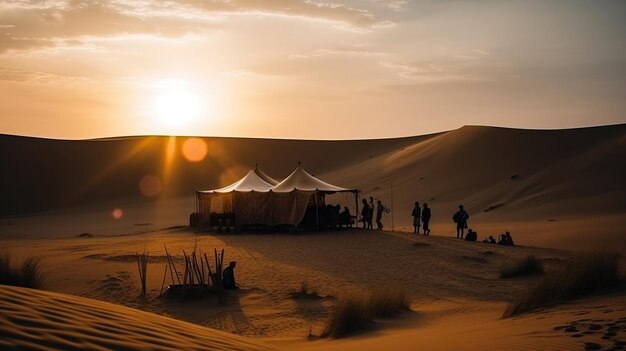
point(317, 213)
point(196, 206)
point(392, 226)
point(356, 204)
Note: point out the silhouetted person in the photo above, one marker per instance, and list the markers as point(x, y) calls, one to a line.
point(471, 235)
point(502, 240)
point(365, 212)
point(508, 239)
point(379, 215)
point(417, 214)
point(426, 219)
point(228, 277)
point(490, 240)
point(370, 217)
point(345, 218)
point(460, 218)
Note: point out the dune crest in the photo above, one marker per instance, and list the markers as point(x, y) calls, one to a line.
point(41, 320)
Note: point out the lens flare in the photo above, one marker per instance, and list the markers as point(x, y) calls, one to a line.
point(117, 213)
point(195, 149)
point(150, 186)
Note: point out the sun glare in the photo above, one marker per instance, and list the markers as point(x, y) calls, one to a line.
point(176, 104)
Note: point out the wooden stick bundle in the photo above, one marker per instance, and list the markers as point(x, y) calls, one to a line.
point(142, 266)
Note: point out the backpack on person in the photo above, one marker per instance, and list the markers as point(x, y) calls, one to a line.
point(456, 218)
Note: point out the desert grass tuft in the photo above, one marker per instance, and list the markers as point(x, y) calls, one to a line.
point(355, 312)
point(351, 314)
point(583, 275)
point(386, 302)
point(528, 266)
point(27, 274)
point(304, 288)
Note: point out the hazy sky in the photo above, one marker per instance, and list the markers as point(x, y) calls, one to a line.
point(312, 69)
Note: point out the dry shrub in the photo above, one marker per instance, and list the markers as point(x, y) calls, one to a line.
point(584, 274)
point(528, 266)
point(354, 312)
point(386, 302)
point(349, 315)
point(304, 288)
point(29, 274)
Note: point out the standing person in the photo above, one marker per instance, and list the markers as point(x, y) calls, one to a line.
point(417, 213)
point(426, 218)
point(379, 215)
point(365, 212)
point(460, 218)
point(371, 214)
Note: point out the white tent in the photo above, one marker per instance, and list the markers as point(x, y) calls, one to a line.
point(301, 180)
point(254, 200)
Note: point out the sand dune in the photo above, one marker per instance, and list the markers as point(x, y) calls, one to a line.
point(457, 296)
point(41, 320)
point(557, 188)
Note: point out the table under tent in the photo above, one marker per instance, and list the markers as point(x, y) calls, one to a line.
point(257, 200)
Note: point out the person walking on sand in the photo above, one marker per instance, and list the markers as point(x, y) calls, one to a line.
point(417, 213)
point(371, 214)
point(426, 219)
point(460, 218)
point(365, 212)
point(379, 215)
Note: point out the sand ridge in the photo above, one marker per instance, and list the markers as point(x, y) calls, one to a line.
point(41, 320)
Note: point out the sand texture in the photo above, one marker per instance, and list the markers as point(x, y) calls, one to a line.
point(40, 320)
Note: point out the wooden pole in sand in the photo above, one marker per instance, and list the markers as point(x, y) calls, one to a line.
point(171, 260)
point(356, 204)
point(163, 283)
point(208, 266)
point(317, 213)
point(392, 226)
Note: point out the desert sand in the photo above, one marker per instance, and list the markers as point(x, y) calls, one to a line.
point(555, 191)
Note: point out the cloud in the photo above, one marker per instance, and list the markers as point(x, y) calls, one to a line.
point(330, 11)
point(429, 72)
point(37, 77)
point(37, 26)
point(26, 25)
point(336, 52)
point(396, 5)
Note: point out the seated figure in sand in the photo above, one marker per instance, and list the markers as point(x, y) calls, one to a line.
point(345, 218)
point(228, 277)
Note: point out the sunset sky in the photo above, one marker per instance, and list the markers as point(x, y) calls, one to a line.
point(339, 69)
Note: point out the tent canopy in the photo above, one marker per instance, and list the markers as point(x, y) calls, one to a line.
point(250, 182)
point(301, 180)
point(264, 176)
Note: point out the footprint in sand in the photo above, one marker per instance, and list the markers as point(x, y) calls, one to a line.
point(592, 346)
point(612, 329)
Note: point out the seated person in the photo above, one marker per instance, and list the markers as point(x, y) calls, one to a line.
point(345, 218)
point(502, 240)
point(471, 235)
point(228, 277)
point(491, 239)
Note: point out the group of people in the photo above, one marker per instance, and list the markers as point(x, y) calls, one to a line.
point(461, 217)
point(367, 213)
point(333, 217)
point(421, 215)
point(505, 239)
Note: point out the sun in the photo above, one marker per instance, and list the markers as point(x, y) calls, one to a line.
point(175, 104)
